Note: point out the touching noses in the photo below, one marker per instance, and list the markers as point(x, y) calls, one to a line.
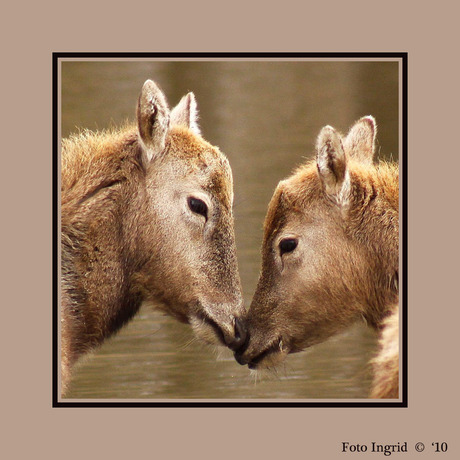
point(240, 337)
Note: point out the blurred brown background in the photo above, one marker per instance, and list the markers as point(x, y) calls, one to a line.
point(265, 117)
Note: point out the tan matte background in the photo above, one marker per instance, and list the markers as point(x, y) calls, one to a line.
point(31, 427)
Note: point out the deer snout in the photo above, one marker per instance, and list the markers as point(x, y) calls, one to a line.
point(240, 358)
point(229, 331)
point(239, 337)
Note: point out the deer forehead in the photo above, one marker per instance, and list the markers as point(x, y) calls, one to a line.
point(202, 164)
point(292, 197)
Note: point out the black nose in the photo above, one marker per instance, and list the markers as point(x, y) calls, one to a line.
point(240, 338)
point(239, 358)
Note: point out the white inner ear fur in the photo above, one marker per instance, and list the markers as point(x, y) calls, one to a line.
point(186, 113)
point(331, 161)
point(360, 141)
point(343, 196)
point(153, 119)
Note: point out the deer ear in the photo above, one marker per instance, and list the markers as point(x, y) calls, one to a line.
point(360, 141)
point(152, 119)
point(186, 113)
point(332, 164)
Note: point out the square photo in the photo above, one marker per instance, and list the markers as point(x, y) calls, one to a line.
point(229, 229)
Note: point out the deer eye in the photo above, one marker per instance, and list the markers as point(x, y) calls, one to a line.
point(198, 207)
point(287, 245)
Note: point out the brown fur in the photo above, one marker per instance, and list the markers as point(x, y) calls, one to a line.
point(130, 235)
point(386, 364)
point(342, 211)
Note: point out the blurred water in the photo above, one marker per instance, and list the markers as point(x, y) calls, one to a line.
point(265, 117)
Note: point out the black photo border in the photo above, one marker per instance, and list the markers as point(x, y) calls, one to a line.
point(56, 97)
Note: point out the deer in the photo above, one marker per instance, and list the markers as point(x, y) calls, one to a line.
point(330, 256)
point(146, 216)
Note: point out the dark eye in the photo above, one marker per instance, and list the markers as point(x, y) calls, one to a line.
point(198, 207)
point(287, 245)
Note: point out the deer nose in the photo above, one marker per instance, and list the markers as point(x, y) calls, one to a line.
point(239, 338)
point(240, 359)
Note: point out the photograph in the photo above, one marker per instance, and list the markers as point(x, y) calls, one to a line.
point(229, 229)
